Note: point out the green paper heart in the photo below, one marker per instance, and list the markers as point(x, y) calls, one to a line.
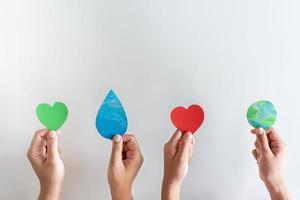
point(53, 117)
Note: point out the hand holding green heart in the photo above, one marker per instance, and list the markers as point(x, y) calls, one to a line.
point(53, 117)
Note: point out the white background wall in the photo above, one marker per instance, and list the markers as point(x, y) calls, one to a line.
point(156, 55)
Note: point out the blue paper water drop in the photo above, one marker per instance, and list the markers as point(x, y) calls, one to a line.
point(111, 118)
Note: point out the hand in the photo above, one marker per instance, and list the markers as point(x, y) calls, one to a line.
point(125, 162)
point(270, 152)
point(44, 157)
point(178, 153)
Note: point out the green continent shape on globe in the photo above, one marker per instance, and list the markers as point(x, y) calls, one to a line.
point(262, 114)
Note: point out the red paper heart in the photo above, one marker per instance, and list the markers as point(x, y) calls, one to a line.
point(187, 119)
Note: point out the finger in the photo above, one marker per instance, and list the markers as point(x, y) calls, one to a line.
point(276, 143)
point(255, 154)
point(183, 151)
point(175, 138)
point(273, 135)
point(38, 143)
point(256, 144)
point(59, 132)
point(191, 152)
point(116, 152)
point(253, 131)
point(52, 146)
point(129, 154)
point(277, 146)
point(131, 147)
point(263, 142)
point(38, 136)
point(130, 142)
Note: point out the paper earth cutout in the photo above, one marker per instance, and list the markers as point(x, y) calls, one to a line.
point(262, 114)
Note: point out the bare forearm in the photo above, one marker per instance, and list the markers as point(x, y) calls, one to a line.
point(46, 194)
point(278, 191)
point(121, 194)
point(170, 191)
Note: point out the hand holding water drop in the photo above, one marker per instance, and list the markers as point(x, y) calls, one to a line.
point(125, 162)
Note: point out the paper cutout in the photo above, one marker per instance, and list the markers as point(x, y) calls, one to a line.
point(53, 117)
point(262, 114)
point(111, 118)
point(187, 119)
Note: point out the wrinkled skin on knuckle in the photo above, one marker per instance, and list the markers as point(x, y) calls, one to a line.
point(166, 147)
point(141, 158)
point(29, 155)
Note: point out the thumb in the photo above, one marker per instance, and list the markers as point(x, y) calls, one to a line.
point(52, 145)
point(183, 151)
point(117, 149)
point(262, 140)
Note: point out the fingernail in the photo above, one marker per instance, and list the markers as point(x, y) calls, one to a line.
point(58, 132)
point(188, 135)
point(261, 131)
point(117, 138)
point(52, 134)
